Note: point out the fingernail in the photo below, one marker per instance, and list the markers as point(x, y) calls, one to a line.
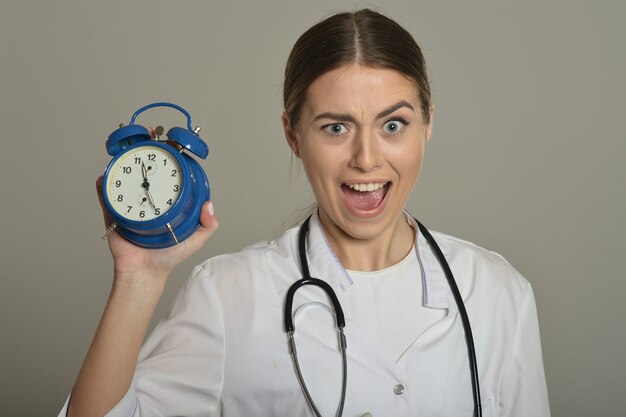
point(211, 209)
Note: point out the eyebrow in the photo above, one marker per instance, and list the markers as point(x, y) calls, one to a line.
point(393, 108)
point(349, 118)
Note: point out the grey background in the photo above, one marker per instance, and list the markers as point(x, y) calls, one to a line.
point(526, 159)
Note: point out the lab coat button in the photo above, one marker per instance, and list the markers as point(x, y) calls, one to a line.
point(398, 389)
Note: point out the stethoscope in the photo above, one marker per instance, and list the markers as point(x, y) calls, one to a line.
point(341, 321)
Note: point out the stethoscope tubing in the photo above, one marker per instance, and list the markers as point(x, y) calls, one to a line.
point(467, 328)
point(340, 319)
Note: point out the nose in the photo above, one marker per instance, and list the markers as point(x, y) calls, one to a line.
point(366, 152)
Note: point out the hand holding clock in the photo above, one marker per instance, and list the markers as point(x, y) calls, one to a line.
point(134, 262)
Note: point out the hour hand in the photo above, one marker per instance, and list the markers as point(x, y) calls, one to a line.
point(144, 172)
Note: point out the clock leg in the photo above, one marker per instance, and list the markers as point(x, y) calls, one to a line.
point(169, 227)
point(109, 230)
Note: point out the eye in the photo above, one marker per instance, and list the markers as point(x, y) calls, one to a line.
point(394, 126)
point(335, 129)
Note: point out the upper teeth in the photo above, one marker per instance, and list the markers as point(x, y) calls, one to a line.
point(372, 186)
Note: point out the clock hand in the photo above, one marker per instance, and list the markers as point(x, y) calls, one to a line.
point(146, 185)
point(150, 199)
point(144, 172)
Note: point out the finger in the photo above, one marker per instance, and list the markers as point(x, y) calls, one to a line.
point(208, 220)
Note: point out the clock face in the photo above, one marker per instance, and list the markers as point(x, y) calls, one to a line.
point(144, 183)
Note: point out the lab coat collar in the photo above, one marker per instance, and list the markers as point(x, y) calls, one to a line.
point(436, 291)
point(324, 264)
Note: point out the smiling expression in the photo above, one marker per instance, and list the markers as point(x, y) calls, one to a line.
point(361, 138)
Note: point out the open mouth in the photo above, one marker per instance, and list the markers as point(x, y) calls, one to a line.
point(365, 196)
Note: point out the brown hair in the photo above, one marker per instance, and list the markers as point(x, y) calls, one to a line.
point(365, 37)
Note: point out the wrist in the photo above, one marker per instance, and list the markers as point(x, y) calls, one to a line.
point(140, 282)
point(135, 300)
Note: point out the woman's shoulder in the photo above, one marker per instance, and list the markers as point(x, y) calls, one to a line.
point(252, 261)
point(457, 246)
point(490, 268)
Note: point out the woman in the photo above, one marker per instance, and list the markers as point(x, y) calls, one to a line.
point(358, 114)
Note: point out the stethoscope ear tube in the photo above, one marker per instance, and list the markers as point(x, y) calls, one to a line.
point(471, 351)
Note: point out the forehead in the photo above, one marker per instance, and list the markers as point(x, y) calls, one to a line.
point(358, 88)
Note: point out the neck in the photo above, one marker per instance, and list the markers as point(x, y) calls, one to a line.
point(382, 251)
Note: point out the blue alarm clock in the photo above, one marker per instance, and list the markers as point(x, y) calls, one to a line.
point(152, 188)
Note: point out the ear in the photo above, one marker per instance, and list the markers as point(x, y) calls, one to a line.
point(290, 134)
point(429, 127)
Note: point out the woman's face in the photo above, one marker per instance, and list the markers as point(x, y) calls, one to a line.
point(361, 139)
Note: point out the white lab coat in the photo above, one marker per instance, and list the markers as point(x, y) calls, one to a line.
point(222, 350)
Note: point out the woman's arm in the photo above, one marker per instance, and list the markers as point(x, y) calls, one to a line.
point(138, 281)
point(523, 390)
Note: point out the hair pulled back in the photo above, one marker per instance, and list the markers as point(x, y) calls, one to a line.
point(363, 37)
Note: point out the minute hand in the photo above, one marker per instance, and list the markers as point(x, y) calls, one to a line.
point(150, 199)
point(146, 185)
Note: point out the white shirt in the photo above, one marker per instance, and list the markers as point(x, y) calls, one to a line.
point(222, 349)
point(389, 304)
